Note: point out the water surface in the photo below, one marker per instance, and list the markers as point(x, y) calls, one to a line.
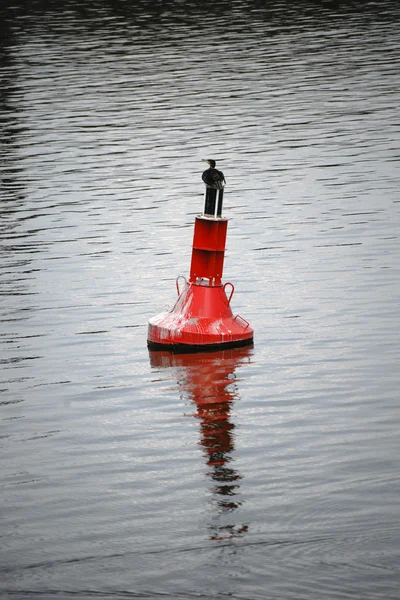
point(259, 473)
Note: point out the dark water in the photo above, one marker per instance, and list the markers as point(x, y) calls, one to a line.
point(262, 473)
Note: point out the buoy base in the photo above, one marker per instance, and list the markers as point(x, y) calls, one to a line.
point(201, 320)
point(188, 348)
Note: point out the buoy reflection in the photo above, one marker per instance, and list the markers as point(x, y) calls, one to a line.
point(209, 381)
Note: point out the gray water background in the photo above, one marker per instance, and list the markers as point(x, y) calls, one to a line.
point(264, 473)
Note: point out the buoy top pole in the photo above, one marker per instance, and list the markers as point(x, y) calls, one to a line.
point(210, 232)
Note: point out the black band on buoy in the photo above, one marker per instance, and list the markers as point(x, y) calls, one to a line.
point(213, 202)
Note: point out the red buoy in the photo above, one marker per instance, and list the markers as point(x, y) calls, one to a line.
point(202, 318)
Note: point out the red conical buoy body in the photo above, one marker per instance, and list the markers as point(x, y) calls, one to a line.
point(202, 318)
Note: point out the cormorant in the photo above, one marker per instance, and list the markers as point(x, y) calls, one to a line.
point(212, 177)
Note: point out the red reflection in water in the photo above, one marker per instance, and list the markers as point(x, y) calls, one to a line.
point(209, 380)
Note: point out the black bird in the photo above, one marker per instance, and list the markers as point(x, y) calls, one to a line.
point(212, 177)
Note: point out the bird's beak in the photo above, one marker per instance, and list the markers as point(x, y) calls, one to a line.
point(205, 160)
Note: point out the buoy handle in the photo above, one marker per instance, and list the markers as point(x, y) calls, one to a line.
point(232, 290)
point(244, 321)
point(177, 283)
